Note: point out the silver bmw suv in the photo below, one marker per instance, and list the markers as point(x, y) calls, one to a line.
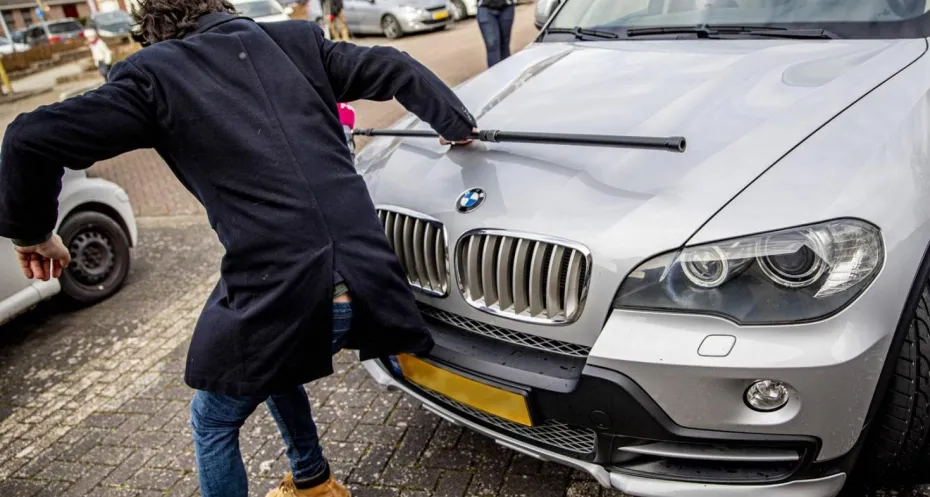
point(749, 317)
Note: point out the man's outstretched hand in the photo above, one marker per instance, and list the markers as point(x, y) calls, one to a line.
point(443, 141)
point(45, 260)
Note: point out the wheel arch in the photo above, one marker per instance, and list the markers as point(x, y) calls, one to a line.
point(101, 208)
point(921, 278)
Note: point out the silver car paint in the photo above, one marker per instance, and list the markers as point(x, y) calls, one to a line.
point(364, 16)
point(743, 105)
point(18, 294)
point(828, 486)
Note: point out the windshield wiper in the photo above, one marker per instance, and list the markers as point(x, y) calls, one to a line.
point(580, 33)
point(713, 31)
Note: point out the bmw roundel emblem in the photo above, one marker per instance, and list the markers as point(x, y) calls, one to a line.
point(470, 200)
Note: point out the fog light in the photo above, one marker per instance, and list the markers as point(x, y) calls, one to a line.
point(767, 395)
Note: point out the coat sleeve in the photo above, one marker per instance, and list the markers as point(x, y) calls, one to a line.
point(76, 133)
point(383, 73)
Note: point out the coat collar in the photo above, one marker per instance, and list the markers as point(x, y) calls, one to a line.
point(214, 19)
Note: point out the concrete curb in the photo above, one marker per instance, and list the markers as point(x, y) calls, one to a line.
point(16, 97)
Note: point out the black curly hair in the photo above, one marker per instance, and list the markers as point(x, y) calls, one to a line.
point(159, 20)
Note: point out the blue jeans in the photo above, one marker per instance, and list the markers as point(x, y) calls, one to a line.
point(216, 420)
point(495, 26)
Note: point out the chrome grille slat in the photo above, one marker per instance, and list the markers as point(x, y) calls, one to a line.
point(420, 246)
point(535, 283)
point(522, 276)
point(488, 271)
point(473, 270)
point(521, 300)
point(407, 237)
point(418, 257)
point(429, 253)
point(575, 440)
point(505, 335)
point(504, 279)
point(553, 295)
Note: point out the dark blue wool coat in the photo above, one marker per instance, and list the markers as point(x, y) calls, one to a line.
point(245, 116)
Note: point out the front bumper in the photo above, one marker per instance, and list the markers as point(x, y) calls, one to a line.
point(417, 23)
point(825, 486)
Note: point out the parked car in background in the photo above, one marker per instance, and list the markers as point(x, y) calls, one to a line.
point(7, 48)
point(748, 317)
point(113, 24)
point(97, 225)
point(261, 10)
point(396, 18)
point(19, 36)
point(53, 32)
point(544, 10)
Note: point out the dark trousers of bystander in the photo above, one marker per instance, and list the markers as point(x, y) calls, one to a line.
point(496, 26)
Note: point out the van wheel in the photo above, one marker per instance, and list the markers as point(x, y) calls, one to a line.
point(390, 26)
point(896, 449)
point(100, 257)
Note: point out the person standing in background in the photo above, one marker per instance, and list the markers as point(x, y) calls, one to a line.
point(339, 29)
point(103, 56)
point(495, 20)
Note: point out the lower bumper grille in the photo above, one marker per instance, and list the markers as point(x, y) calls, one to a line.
point(569, 440)
point(505, 335)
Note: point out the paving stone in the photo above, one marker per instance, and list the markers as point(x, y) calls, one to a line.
point(86, 484)
point(83, 446)
point(359, 491)
point(532, 486)
point(452, 484)
point(128, 468)
point(185, 487)
point(20, 488)
point(346, 452)
point(372, 464)
point(107, 455)
point(380, 434)
point(154, 479)
point(105, 420)
point(63, 471)
point(407, 477)
point(413, 444)
point(53, 489)
point(583, 489)
point(447, 459)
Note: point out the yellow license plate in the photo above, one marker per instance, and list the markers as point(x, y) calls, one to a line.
point(492, 400)
point(440, 15)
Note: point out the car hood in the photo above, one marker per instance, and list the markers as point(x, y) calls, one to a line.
point(741, 104)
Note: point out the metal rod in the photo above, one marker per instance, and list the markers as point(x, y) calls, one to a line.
point(668, 143)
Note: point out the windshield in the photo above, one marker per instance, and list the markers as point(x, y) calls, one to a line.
point(854, 17)
point(63, 27)
point(115, 18)
point(260, 8)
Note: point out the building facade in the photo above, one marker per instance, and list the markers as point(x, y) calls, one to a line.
point(19, 14)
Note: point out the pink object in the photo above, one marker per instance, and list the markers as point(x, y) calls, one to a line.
point(347, 115)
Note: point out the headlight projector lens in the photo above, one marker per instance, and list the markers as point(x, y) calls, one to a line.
point(767, 395)
point(707, 267)
point(793, 269)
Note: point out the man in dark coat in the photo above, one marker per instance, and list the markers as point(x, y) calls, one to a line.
point(245, 116)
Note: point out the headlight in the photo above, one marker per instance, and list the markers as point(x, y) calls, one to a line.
point(789, 276)
point(412, 10)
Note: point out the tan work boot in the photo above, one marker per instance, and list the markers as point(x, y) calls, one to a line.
point(331, 488)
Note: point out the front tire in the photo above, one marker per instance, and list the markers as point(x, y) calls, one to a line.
point(390, 26)
point(897, 450)
point(458, 11)
point(100, 257)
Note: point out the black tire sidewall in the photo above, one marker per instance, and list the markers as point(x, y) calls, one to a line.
point(84, 221)
point(389, 19)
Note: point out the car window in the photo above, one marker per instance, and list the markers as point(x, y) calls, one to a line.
point(63, 27)
point(644, 13)
point(259, 8)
